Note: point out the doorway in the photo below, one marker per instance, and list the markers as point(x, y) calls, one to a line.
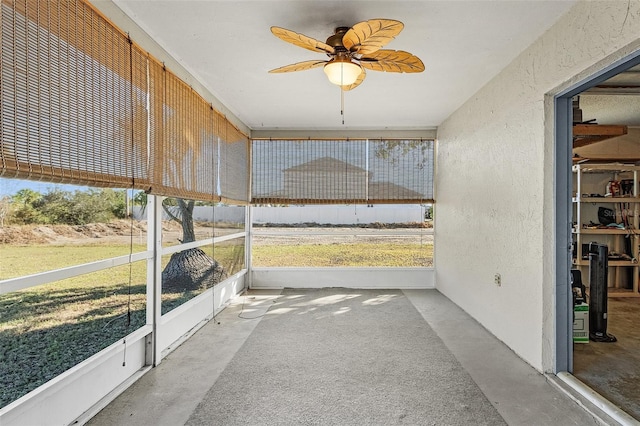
point(595, 363)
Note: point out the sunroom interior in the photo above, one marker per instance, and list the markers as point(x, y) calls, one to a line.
point(173, 100)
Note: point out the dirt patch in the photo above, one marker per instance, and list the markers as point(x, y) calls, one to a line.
point(21, 235)
point(116, 231)
point(121, 232)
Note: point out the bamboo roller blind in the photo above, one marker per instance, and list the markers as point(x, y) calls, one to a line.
point(82, 104)
point(234, 164)
point(342, 171)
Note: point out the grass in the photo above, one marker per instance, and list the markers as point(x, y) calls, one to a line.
point(49, 258)
point(355, 254)
point(46, 330)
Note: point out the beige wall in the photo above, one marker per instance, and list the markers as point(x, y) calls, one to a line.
point(495, 185)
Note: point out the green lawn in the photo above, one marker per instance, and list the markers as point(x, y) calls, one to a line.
point(48, 329)
point(18, 261)
point(352, 254)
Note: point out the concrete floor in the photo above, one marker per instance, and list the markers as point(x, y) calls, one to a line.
point(169, 393)
point(613, 369)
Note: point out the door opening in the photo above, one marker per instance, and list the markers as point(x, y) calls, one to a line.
point(563, 208)
point(570, 227)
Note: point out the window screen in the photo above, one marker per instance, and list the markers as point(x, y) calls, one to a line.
point(342, 171)
point(234, 163)
point(82, 104)
point(188, 149)
point(68, 84)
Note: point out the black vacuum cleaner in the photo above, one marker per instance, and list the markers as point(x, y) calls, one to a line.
point(598, 274)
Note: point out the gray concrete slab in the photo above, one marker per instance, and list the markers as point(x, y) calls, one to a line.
point(613, 369)
point(338, 356)
point(169, 393)
point(521, 394)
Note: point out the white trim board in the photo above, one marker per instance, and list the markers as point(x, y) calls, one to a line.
point(77, 393)
point(67, 396)
point(179, 324)
point(383, 278)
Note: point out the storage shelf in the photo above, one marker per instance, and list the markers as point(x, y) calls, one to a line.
point(610, 263)
point(606, 200)
point(586, 176)
point(605, 168)
point(599, 231)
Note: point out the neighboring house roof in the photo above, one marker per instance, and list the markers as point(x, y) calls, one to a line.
point(377, 190)
point(381, 191)
point(325, 164)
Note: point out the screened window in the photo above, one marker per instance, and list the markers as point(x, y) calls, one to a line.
point(69, 83)
point(81, 103)
point(342, 171)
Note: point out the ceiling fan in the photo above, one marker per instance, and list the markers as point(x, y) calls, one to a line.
point(352, 50)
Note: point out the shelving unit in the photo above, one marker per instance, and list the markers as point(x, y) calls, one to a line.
point(591, 179)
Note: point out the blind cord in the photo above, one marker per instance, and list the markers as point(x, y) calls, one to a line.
point(213, 256)
point(127, 205)
point(214, 159)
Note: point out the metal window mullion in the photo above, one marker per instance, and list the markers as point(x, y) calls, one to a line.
point(154, 285)
point(366, 168)
point(248, 245)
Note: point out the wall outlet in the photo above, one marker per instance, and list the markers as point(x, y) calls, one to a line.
point(497, 279)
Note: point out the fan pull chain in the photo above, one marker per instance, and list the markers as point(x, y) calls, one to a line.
point(342, 104)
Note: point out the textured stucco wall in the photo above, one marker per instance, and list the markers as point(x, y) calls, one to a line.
point(495, 185)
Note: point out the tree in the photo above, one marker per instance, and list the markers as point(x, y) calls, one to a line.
point(65, 207)
point(428, 213)
point(183, 214)
point(55, 207)
point(5, 208)
point(394, 150)
point(25, 204)
point(189, 269)
point(81, 207)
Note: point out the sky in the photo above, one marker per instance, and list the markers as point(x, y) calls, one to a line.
point(9, 187)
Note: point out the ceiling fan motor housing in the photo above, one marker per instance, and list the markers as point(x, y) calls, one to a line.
point(335, 40)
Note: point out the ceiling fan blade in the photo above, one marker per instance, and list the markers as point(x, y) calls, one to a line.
point(368, 36)
point(299, 66)
point(302, 40)
point(356, 83)
point(392, 61)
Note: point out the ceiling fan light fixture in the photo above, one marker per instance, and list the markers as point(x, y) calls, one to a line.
point(342, 71)
point(352, 51)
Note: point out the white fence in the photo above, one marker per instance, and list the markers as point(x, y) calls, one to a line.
point(338, 215)
point(230, 214)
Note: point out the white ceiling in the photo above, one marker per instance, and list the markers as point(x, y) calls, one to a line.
point(228, 47)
